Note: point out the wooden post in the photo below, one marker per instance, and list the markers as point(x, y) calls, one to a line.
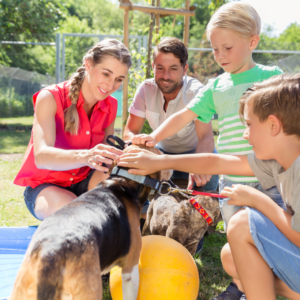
point(149, 52)
point(186, 25)
point(157, 18)
point(158, 11)
point(126, 80)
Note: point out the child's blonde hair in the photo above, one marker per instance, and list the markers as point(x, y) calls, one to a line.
point(239, 17)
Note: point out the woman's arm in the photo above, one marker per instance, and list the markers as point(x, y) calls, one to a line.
point(169, 127)
point(44, 136)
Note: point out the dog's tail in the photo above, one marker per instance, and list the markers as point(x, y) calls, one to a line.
point(146, 229)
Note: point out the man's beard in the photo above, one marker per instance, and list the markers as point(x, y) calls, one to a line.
point(167, 89)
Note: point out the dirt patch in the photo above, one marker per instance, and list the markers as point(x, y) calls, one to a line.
point(11, 156)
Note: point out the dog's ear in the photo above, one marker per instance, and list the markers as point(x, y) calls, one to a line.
point(163, 175)
point(111, 167)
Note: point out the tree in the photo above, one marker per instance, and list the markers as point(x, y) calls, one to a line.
point(29, 20)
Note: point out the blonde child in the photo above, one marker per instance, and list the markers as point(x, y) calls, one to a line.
point(234, 33)
point(263, 250)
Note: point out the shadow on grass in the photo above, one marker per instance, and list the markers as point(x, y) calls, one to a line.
point(14, 141)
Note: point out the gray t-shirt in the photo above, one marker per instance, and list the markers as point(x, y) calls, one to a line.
point(148, 103)
point(270, 173)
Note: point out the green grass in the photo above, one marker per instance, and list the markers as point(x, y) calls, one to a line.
point(25, 121)
point(14, 141)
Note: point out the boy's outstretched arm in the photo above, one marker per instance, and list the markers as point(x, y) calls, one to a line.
point(143, 162)
point(171, 126)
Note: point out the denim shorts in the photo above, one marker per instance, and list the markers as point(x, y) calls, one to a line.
point(229, 210)
point(78, 189)
point(31, 194)
point(212, 185)
point(282, 256)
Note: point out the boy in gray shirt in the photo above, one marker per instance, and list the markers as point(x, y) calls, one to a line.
point(263, 250)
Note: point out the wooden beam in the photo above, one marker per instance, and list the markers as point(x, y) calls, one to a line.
point(157, 10)
point(186, 25)
point(126, 80)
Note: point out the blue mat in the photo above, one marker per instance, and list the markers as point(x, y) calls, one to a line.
point(13, 244)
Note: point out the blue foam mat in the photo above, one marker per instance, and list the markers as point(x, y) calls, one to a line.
point(13, 244)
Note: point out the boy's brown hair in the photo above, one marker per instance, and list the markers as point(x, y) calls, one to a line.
point(278, 96)
point(172, 45)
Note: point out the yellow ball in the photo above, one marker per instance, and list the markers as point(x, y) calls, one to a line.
point(167, 272)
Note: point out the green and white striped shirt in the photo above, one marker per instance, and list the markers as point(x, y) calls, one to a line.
point(221, 96)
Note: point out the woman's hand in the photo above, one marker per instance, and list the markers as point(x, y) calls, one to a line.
point(144, 139)
point(102, 154)
point(143, 161)
point(242, 195)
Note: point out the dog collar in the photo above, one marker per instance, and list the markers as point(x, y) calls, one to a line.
point(202, 211)
point(145, 180)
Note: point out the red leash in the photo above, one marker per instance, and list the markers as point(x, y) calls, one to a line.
point(194, 193)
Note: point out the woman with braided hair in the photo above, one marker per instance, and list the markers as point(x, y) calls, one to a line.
point(71, 122)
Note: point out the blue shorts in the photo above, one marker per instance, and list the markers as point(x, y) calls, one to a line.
point(282, 256)
point(228, 210)
point(212, 185)
point(31, 194)
point(78, 189)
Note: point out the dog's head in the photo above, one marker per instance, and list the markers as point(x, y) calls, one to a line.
point(163, 175)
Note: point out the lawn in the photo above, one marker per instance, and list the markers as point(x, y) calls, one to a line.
point(13, 211)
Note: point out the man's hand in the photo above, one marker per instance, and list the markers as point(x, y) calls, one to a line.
point(144, 139)
point(242, 195)
point(200, 180)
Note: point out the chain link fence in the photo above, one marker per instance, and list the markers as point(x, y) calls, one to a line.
point(16, 89)
point(203, 66)
point(63, 55)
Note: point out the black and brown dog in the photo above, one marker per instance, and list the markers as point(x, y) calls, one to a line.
point(72, 248)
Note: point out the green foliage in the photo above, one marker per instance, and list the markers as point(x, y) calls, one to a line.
point(29, 19)
point(20, 20)
point(291, 36)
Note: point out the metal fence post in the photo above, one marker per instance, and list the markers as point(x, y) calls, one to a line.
point(63, 58)
point(9, 84)
point(139, 51)
point(57, 62)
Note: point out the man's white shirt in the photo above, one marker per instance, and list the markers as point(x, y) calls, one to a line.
point(149, 102)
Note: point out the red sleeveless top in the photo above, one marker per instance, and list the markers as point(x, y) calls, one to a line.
point(91, 132)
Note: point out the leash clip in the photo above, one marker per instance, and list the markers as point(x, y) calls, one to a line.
point(179, 190)
point(169, 191)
